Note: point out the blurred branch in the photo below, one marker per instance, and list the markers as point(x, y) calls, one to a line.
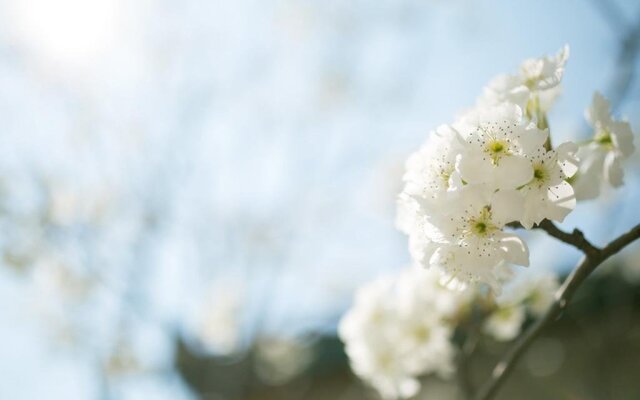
point(463, 372)
point(628, 35)
point(625, 67)
point(591, 260)
point(611, 13)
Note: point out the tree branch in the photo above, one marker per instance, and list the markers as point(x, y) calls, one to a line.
point(592, 259)
point(463, 372)
point(629, 39)
point(575, 238)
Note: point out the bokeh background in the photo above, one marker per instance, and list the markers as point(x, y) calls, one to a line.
point(191, 190)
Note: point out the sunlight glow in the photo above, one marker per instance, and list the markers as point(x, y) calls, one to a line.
point(68, 34)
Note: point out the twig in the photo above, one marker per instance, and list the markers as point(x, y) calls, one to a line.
point(575, 238)
point(463, 372)
point(462, 375)
point(628, 53)
point(591, 260)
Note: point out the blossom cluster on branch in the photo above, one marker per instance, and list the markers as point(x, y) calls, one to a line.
point(493, 167)
point(404, 326)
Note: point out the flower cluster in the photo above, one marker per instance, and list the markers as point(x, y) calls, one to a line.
point(494, 167)
point(534, 88)
point(491, 167)
point(601, 157)
point(530, 297)
point(402, 327)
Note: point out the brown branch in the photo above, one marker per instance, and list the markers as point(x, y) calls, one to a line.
point(592, 259)
point(575, 238)
point(629, 46)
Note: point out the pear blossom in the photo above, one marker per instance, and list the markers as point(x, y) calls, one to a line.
point(424, 343)
point(497, 140)
point(534, 87)
point(469, 240)
point(384, 369)
point(400, 327)
point(365, 331)
point(601, 157)
point(423, 289)
point(411, 221)
point(493, 166)
point(430, 180)
point(532, 296)
point(537, 293)
point(505, 323)
point(548, 195)
point(431, 175)
point(396, 331)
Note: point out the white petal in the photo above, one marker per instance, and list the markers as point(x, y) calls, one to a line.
point(567, 158)
point(474, 167)
point(516, 250)
point(563, 201)
point(506, 206)
point(613, 170)
point(623, 137)
point(513, 172)
point(532, 138)
point(599, 110)
point(586, 187)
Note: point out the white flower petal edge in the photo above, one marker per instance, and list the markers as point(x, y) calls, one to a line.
point(548, 195)
point(601, 157)
point(470, 243)
point(534, 87)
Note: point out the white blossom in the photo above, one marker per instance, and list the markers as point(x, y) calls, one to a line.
point(400, 328)
point(397, 330)
point(534, 296)
point(505, 323)
point(601, 157)
point(537, 293)
point(548, 194)
point(497, 141)
point(493, 166)
point(431, 176)
point(470, 243)
point(534, 87)
point(413, 222)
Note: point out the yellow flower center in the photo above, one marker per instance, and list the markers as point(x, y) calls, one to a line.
point(496, 150)
point(603, 137)
point(482, 225)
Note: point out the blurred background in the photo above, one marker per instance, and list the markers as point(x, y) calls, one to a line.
point(191, 190)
